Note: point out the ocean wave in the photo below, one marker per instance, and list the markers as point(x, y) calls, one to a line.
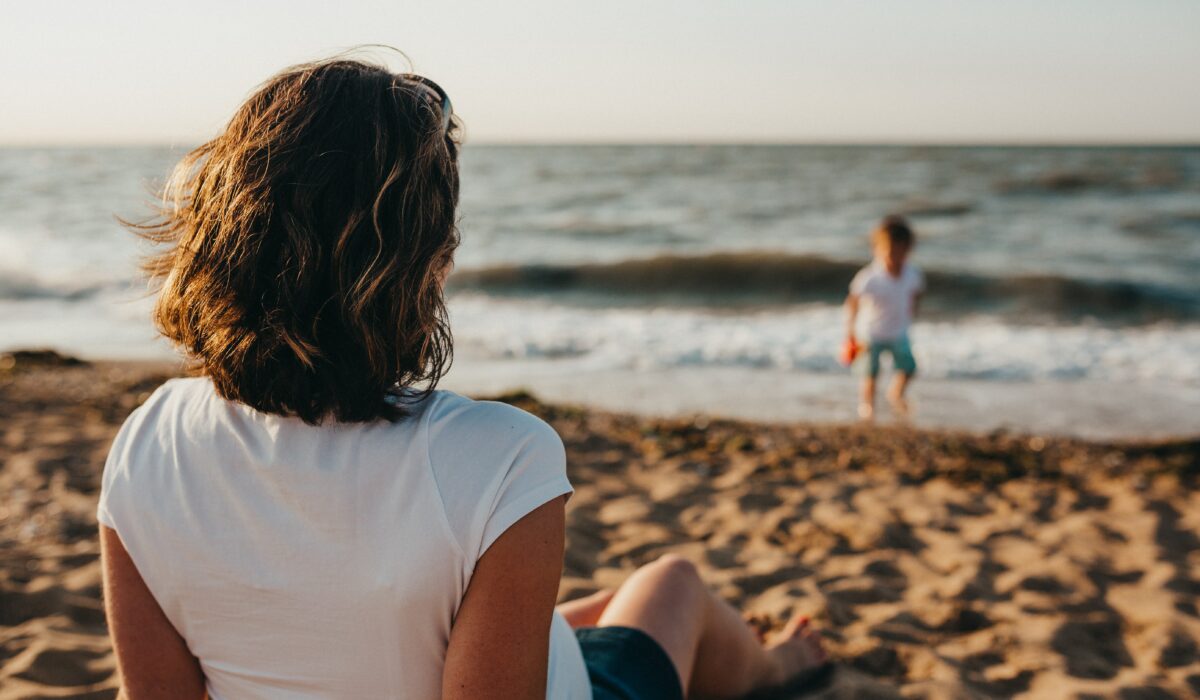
point(757, 279)
point(928, 209)
point(1184, 226)
point(806, 340)
point(1150, 177)
point(19, 287)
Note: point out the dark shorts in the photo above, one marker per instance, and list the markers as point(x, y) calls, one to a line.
point(626, 664)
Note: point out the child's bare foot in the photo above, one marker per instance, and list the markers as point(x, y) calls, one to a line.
point(899, 404)
point(866, 411)
point(796, 650)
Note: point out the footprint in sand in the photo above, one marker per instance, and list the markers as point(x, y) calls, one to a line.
point(1092, 648)
point(65, 667)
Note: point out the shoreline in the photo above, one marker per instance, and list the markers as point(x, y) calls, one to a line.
point(1091, 411)
point(937, 562)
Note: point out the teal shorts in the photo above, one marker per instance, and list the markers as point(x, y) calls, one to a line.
point(903, 361)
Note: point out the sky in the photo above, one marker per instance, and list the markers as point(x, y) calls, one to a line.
point(628, 71)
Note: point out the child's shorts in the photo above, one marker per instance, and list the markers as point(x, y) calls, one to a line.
point(627, 664)
point(899, 349)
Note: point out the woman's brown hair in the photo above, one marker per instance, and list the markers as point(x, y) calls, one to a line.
point(308, 243)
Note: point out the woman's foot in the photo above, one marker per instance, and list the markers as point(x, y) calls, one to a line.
point(797, 650)
point(760, 625)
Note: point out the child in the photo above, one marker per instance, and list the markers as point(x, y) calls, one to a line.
point(887, 291)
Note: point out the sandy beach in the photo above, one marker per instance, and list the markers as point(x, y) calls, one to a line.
point(940, 564)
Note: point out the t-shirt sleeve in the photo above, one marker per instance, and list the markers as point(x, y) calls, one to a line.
point(493, 464)
point(918, 280)
point(858, 285)
point(107, 481)
point(114, 481)
point(537, 476)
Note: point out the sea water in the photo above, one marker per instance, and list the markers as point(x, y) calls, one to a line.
point(1055, 272)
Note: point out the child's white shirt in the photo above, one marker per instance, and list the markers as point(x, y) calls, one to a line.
point(886, 302)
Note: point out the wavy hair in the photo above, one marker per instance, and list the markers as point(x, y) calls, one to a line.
point(307, 245)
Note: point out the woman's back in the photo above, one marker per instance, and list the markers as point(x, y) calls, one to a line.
point(325, 561)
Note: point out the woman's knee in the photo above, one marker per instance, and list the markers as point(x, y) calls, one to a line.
point(673, 572)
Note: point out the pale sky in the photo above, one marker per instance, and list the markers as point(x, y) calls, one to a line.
point(162, 71)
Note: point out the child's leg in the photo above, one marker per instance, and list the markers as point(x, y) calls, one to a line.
point(896, 393)
point(869, 368)
point(866, 399)
point(713, 649)
point(906, 367)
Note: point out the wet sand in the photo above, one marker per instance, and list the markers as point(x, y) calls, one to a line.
point(1092, 410)
point(940, 564)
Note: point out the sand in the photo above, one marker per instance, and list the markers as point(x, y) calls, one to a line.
point(940, 564)
point(1094, 409)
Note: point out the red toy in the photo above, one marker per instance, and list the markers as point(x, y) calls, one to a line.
point(850, 350)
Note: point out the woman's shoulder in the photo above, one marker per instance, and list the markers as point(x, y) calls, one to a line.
point(174, 393)
point(168, 396)
point(472, 419)
point(147, 434)
point(493, 463)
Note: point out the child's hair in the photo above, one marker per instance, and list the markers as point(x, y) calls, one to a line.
point(895, 230)
point(308, 242)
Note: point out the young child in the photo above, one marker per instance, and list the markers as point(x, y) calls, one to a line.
point(887, 292)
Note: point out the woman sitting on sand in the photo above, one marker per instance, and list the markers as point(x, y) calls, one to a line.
point(298, 521)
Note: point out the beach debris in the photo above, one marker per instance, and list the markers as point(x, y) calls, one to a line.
point(18, 360)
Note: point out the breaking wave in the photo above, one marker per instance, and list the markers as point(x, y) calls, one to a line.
point(758, 279)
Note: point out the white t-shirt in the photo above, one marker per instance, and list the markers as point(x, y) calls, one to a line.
point(886, 302)
point(325, 562)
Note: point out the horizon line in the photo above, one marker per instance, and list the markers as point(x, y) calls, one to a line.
point(876, 143)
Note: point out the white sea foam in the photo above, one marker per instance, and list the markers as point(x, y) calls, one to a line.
point(807, 339)
point(37, 264)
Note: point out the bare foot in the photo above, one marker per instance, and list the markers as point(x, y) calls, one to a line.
point(759, 624)
point(796, 650)
point(899, 405)
point(866, 412)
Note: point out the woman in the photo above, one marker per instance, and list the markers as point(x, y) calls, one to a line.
point(299, 521)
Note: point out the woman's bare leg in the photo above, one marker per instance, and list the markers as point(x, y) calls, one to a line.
point(586, 611)
point(715, 652)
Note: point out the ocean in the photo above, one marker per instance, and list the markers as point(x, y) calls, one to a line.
point(1063, 286)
